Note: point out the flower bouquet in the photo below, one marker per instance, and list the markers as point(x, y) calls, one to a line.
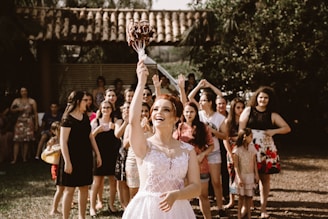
point(138, 36)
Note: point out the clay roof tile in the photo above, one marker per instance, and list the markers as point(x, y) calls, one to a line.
point(78, 25)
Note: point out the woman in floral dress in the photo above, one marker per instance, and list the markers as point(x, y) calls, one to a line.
point(27, 123)
point(262, 117)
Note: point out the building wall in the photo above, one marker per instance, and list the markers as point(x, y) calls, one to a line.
point(83, 76)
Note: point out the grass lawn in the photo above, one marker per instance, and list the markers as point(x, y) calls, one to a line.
point(26, 191)
point(299, 191)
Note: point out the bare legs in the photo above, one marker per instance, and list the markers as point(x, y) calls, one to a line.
point(123, 193)
point(215, 172)
point(112, 193)
point(231, 202)
point(68, 198)
point(264, 193)
point(16, 151)
point(204, 202)
point(264, 186)
point(67, 201)
point(99, 204)
point(25, 151)
point(98, 182)
point(133, 192)
point(83, 199)
point(97, 187)
point(244, 207)
point(56, 199)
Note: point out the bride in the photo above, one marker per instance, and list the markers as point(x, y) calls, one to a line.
point(164, 163)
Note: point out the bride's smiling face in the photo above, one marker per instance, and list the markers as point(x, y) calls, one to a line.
point(163, 113)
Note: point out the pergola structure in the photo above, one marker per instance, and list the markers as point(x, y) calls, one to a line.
point(79, 26)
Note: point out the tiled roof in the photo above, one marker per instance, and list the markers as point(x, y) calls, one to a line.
point(78, 25)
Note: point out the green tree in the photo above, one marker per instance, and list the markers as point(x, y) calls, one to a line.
point(282, 44)
point(15, 53)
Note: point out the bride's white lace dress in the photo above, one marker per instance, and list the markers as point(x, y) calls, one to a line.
point(158, 174)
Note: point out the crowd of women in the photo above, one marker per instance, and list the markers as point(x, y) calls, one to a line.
point(161, 150)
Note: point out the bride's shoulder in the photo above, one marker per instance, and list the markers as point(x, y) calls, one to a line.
point(186, 146)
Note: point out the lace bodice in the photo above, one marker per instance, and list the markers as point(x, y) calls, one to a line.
point(160, 173)
point(260, 120)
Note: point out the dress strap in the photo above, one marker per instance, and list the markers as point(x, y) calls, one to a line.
point(187, 146)
point(149, 144)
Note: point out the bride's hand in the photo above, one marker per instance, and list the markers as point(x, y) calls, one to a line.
point(142, 72)
point(168, 201)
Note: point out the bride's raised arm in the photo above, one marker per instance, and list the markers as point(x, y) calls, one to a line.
point(137, 138)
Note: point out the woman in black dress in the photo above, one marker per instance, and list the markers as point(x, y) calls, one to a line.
point(77, 143)
point(262, 117)
point(103, 131)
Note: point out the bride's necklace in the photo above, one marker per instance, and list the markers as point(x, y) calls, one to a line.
point(168, 152)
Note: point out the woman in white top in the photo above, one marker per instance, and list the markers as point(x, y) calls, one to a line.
point(214, 120)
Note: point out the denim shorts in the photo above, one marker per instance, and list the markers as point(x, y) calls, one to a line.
point(214, 157)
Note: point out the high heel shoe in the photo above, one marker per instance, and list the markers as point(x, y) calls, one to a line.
point(112, 211)
point(93, 216)
point(93, 213)
point(116, 212)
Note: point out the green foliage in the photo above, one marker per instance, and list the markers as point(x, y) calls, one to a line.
point(181, 67)
point(282, 44)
